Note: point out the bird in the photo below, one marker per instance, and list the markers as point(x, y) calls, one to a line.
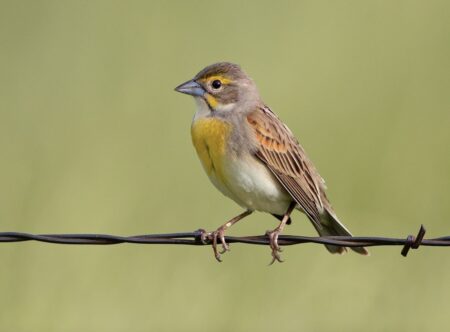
point(253, 158)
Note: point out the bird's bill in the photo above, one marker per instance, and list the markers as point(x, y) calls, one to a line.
point(191, 88)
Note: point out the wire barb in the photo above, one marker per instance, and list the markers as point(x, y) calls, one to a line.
point(413, 242)
point(201, 237)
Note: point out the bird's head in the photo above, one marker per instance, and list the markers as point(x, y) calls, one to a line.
point(222, 86)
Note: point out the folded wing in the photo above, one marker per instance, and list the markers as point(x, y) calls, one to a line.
point(283, 155)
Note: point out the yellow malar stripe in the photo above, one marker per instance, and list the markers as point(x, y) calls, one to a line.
point(211, 100)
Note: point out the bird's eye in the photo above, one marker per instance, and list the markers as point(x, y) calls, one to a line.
point(216, 84)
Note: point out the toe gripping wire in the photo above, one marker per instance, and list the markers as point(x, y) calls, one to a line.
point(413, 242)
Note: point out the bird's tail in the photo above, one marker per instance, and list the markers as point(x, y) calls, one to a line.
point(331, 226)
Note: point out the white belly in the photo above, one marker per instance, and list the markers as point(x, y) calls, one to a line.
point(250, 184)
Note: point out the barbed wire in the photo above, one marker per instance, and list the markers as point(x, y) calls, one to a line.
point(201, 238)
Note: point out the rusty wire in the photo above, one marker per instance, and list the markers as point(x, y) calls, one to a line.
point(198, 238)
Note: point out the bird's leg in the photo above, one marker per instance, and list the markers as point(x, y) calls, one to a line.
point(281, 216)
point(220, 233)
point(273, 235)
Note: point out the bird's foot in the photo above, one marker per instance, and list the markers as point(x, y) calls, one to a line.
point(273, 242)
point(219, 234)
point(213, 238)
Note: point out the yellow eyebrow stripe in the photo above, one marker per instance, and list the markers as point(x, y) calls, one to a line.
point(221, 78)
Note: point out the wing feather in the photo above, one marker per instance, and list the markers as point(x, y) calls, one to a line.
point(283, 155)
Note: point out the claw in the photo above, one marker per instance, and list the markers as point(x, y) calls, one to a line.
point(225, 246)
point(273, 243)
point(219, 233)
point(218, 257)
point(214, 246)
point(276, 257)
point(224, 249)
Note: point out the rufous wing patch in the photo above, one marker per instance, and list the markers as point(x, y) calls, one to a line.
point(283, 155)
point(268, 137)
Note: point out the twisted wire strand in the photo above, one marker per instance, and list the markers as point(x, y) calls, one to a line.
point(200, 237)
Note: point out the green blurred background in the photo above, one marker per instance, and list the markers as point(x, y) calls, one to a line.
point(94, 139)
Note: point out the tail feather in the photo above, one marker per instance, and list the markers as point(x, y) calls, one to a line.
point(331, 226)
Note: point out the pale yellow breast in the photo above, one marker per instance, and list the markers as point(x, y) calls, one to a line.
point(209, 136)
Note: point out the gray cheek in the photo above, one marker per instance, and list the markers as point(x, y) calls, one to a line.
point(229, 94)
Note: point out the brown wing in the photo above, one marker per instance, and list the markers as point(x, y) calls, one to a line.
point(284, 156)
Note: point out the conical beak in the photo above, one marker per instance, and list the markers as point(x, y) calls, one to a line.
point(191, 88)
